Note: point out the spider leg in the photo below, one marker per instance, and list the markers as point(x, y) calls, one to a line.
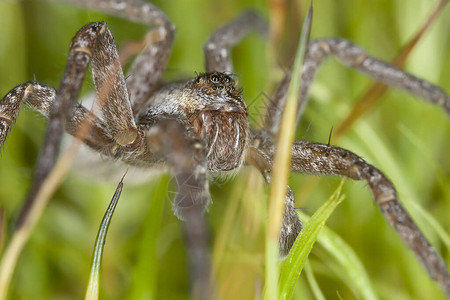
point(217, 48)
point(170, 140)
point(291, 224)
point(314, 158)
point(165, 141)
point(355, 57)
point(189, 168)
point(57, 105)
point(92, 41)
point(111, 90)
point(321, 159)
point(187, 158)
point(148, 66)
point(78, 61)
point(41, 98)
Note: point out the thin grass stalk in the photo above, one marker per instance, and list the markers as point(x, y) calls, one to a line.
point(315, 288)
point(281, 166)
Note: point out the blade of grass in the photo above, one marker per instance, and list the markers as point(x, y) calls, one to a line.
point(292, 267)
point(313, 283)
point(373, 94)
point(351, 268)
point(382, 154)
point(281, 166)
point(440, 178)
point(428, 157)
point(92, 290)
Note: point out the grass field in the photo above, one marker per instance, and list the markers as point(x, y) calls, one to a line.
point(144, 257)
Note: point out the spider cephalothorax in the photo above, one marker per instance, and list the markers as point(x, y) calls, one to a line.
point(212, 108)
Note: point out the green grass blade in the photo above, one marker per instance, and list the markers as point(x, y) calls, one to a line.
point(92, 291)
point(440, 178)
point(350, 267)
point(313, 282)
point(281, 165)
point(292, 267)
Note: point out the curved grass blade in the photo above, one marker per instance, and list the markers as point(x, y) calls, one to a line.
point(292, 267)
point(351, 268)
point(92, 291)
point(281, 165)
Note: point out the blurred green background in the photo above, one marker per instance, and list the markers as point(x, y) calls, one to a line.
point(144, 258)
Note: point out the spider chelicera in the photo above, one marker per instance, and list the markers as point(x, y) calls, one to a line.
point(199, 127)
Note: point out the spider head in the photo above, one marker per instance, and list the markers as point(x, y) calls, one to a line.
point(221, 85)
point(222, 121)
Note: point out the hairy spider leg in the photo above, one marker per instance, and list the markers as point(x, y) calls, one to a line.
point(314, 158)
point(217, 48)
point(79, 56)
point(355, 57)
point(144, 75)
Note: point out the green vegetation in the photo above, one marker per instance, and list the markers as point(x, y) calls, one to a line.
point(357, 255)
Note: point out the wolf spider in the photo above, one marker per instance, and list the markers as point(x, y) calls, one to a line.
point(199, 127)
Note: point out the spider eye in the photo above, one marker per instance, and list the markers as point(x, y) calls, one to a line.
point(215, 78)
point(226, 79)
